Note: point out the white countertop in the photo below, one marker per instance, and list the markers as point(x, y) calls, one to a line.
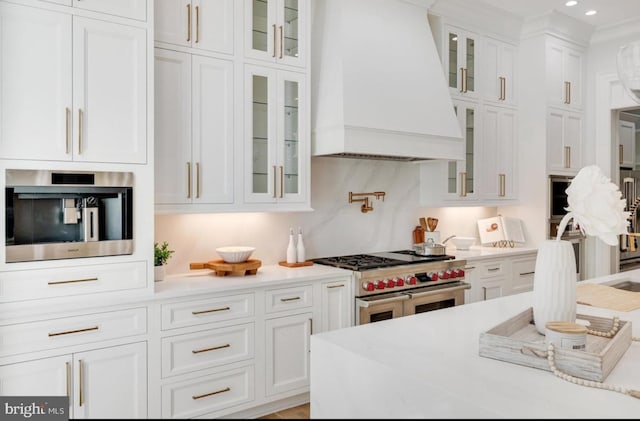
point(428, 366)
point(482, 252)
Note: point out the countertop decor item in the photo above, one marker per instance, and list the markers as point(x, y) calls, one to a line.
point(222, 268)
point(300, 251)
point(297, 264)
point(235, 254)
point(463, 243)
point(161, 255)
point(291, 248)
point(596, 206)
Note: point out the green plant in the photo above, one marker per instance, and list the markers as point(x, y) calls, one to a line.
point(161, 253)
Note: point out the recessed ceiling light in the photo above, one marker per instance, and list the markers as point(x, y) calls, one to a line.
point(591, 12)
point(571, 3)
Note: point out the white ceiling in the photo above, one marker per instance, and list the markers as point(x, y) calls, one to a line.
point(610, 12)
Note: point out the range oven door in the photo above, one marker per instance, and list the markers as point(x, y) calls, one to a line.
point(379, 307)
point(426, 299)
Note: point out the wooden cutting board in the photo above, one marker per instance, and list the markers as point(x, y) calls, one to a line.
point(605, 296)
point(222, 268)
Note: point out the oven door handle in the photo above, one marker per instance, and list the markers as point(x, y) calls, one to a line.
point(437, 291)
point(372, 301)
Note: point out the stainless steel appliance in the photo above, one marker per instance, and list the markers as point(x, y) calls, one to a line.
point(629, 244)
point(557, 203)
point(395, 284)
point(67, 214)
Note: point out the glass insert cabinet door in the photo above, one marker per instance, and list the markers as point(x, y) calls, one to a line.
point(461, 56)
point(277, 30)
point(461, 174)
point(277, 149)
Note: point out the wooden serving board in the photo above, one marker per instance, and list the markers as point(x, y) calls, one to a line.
point(517, 341)
point(222, 268)
point(296, 265)
point(605, 296)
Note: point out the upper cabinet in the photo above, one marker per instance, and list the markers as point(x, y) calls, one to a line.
point(499, 72)
point(627, 144)
point(564, 141)
point(276, 31)
point(565, 74)
point(461, 61)
point(60, 101)
point(200, 24)
point(133, 9)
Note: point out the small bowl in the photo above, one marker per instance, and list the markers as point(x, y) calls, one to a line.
point(463, 243)
point(235, 254)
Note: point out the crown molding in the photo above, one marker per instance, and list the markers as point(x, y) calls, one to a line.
point(559, 25)
point(625, 29)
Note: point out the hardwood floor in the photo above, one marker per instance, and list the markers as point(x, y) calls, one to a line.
point(296, 413)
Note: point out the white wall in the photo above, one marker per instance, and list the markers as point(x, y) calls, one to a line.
point(335, 227)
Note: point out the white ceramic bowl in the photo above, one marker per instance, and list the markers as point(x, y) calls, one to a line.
point(463, 243)
point(235, 254)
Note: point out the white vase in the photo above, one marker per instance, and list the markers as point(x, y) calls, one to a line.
point(159, 272)
point(554, 284)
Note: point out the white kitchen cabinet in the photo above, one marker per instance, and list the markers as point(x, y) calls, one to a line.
point(277, 31)
point(499, 139)
point(206, 25)
point(522, 273)
point(133, 9)
point(336, 300)
point(101, 383)
point(194, 129)
point(565, 74)
point(488, 279)
point(461, 61)
point(564, 141)
point(287, 353)
point(277, 141)
point(79, 77)
point(627, 146)
point(498, 72)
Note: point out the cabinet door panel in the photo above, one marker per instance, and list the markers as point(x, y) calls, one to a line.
point(573, 75)
point(35, 83)
point(337, 305)
point(573, 140)
point(213, 25)
point(627, 136)
point(45, 377)
point(109, 91)
point(134, 9)
point(172, 22)
point(555, 142)
point(172, 126)
point(555, 75)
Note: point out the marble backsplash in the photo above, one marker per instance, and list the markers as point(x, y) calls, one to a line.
point(333, 228)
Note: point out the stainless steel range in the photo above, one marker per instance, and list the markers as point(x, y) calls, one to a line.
point(400, 283)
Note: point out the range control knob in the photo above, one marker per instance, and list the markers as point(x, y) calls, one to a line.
point(432, 276)
point(412, 280)
point(444, 275)
point(452, 273)
point(390, 283)
point(368, 286)
point(380, 285)
point(399, 281)
point(460, 273)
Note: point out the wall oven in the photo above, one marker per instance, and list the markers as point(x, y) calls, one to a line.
point(67, 214)
point(396, 284)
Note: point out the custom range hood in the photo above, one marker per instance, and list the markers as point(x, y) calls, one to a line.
point(378, 87)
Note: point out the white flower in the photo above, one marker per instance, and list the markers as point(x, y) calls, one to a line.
point(596, 205)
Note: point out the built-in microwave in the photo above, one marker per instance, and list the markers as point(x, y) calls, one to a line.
point(67, 214)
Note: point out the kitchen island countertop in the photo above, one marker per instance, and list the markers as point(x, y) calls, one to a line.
point(428, 366)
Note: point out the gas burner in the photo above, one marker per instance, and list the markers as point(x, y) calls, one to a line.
point(358, 261)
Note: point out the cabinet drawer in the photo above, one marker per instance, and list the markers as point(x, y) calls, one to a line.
point(196, 312)
point(209, 348)
point(496, 268)
point(207, 394)
point(48, 283)
point(522, 278)
point(87, 328)
point(290, 298)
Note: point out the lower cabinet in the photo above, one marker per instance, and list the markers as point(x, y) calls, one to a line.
point(336, 309)
point(101, 383)
point(522, 271)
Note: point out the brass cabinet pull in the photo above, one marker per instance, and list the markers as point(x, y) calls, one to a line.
point(81, 375)
point(69, 332)
point(462, 79)
point(469, 268)
point(569, 91)
point(226, 389)
point(335, 286)
point(310, 326)
point(463, 184)
point(274, 181)
point(275, 41)
point(210, 311)
point(621, 153)
point(527, 273)
point(197, 180)
point(567, 156)
point(493, 269)
point(503, 88)
point(281, 181)
point(67, 112)
point(281, 41)
point(502, 184)
point(79, 131)
point(567, 95)
point(198, 351)
point(289, 299)
point(197, 24)
point(188, 180)
point(189, 22)
point(68, 371)
point(71, 281)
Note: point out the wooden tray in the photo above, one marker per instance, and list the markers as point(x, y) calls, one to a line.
point(296, 265)
point(517, 341)
point(222, 268)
